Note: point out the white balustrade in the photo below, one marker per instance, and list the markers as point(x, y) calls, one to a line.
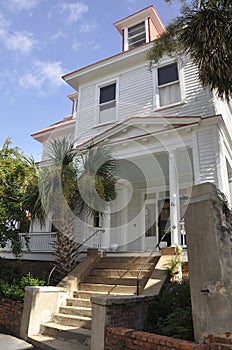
point(37, 242)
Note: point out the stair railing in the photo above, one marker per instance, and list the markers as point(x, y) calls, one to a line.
point(90, 236)
point(80, 245)
point(149, 258)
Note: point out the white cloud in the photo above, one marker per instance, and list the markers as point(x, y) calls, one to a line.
point(19, 5)
point(86, 27)
point(58, 35)
point(44, 76)
point(73, 11)
point(20, 41)
point(86, 46)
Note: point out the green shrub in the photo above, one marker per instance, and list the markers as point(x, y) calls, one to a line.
point(171, 312)
point(16, 289)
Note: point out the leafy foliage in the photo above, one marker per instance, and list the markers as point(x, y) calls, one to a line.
point(16, 173)
point(16, 289)
point(72, 184)
point(203, 30)
point(171, 312)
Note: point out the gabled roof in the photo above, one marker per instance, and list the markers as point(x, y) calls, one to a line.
point(163, 124)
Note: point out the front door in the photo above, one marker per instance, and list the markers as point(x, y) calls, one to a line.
point(164, 220)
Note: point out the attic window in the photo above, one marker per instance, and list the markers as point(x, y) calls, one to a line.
point(136, 35)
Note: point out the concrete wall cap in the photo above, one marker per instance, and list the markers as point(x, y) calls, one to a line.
point(110, 300)
point(44, 289)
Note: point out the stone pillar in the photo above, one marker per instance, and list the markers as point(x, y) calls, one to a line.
point(210, 262)
point(174, 200)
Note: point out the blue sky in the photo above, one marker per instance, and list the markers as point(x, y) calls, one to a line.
point(40, 40)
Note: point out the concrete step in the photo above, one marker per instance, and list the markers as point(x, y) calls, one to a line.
point(122, 273)
point(120, 265)
point(107, 288)
point(78, 302)
point(49, 343)
point(85, 294)
point(67, 333)
point(76, 310)
point(112, 281)
point(127, 259)
point(72, 320)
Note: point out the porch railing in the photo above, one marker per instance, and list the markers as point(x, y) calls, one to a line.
point(37, 243)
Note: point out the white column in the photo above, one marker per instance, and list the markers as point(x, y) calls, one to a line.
point(105, 236)
point(174, 199)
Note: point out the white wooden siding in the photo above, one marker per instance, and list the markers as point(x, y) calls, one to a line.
point(136, 94)
point(207, 155)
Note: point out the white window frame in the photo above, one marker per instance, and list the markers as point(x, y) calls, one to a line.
point(110, 82)
point(135, 36)
point(126, 37)
point(156, 100)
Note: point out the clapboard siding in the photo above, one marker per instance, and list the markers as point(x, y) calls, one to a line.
point(136, 93)
point(135, 98)
point(86, 118)
point(207, 151)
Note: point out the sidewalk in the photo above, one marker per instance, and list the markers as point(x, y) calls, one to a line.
point(8, 342)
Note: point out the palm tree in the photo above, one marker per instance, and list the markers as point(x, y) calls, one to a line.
point(204, 31)
point(72, 183)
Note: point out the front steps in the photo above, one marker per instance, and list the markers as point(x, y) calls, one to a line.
point(70, 327)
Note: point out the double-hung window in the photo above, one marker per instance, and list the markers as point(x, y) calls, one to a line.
point(107, 103)
point(168, 85)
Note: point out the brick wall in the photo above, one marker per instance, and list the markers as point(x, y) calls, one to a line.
point(35, 267)
point(10, 316)
point(129, 339)
point(123, 315)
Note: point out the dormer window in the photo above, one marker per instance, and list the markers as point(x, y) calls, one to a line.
point(140, 28)
point(136, 35)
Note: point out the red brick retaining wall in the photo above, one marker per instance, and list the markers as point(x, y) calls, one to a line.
point(129, 314)
point(10, 316)
point(129, 339)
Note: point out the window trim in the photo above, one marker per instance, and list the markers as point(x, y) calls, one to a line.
point(98, 104)
point(156, 99)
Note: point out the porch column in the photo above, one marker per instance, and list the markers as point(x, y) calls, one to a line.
point(174, 199)
point(105, 236)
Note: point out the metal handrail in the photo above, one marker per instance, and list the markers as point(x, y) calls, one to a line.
point(80, 245)
point(92, 234)
point(148, 259)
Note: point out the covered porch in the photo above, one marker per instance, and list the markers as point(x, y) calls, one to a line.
point(152, 196)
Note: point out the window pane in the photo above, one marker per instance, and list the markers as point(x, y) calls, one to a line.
point(138, 28)
point(169, 94)
point(107, 112)
point(137, 40)
point(108, 93)
point(150, 220)
point(167, 74)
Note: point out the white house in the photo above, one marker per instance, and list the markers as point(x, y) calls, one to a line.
point(166, 132)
